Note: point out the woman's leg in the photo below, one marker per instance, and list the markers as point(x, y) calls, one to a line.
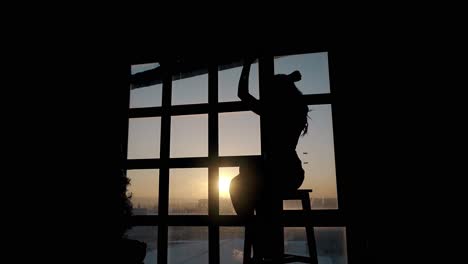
point(242, 190)
point(270, 229)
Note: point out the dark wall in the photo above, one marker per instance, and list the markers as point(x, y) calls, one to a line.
point(95, 103)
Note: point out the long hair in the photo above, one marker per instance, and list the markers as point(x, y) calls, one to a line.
point(286, 93)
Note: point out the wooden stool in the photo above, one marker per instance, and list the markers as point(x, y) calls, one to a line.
point(302, 195)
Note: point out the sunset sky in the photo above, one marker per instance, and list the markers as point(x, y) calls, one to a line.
point(239, 133)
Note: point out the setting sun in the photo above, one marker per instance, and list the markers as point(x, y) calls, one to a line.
point(225, 176)
point(224, 185)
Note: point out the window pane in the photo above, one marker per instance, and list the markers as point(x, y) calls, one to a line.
point(149, 96)
point(148, 235)
point(313, 68)
point(189, 90)
point(239, 134)
point(316, 151)
point(231, 245)
point(295, 241)
point(187, 245)
point(144, 187)
point(144, 137)
point(292, 205)
point(188, 191)
point(225, 176)
point(189, 136)
point(136, 68)
point(228, 81)
point(331, 243)
point(146, 96)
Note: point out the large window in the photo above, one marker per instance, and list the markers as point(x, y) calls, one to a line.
point(188, 134)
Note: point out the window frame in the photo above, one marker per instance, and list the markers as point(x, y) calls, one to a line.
point(291, 218)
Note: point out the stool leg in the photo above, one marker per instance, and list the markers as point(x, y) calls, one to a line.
point(311, 244)
point(310, 233)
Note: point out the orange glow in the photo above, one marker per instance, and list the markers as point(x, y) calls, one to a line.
point(224, 182)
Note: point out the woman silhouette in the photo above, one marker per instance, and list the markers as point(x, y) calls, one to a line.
point(260, 186)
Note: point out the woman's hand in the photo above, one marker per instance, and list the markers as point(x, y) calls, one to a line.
point(295, 76)
point(243, 89)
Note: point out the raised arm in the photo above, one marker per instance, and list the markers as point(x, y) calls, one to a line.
point(243, 89)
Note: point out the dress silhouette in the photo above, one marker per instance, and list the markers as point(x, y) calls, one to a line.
point(261, 184)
